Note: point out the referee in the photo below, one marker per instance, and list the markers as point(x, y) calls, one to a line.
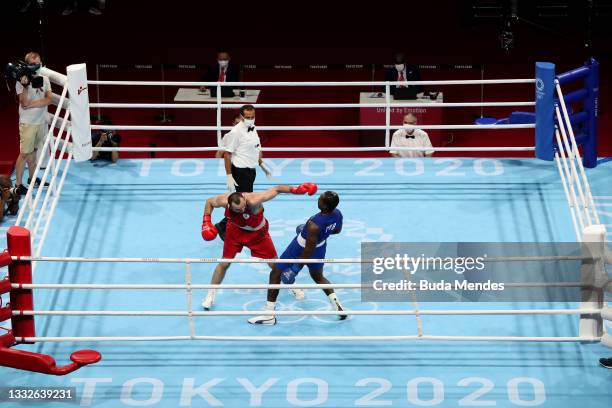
point(242, 155)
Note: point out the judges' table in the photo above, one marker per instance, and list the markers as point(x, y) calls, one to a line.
point(196, 95)
point(372, 116)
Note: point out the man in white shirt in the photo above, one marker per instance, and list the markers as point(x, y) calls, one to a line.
point(242, 155)
point(221, 152)
point(409, 136)
point(33, 101)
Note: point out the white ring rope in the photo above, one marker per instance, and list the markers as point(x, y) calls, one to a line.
point(277, 260)
point(314, 338)
point(575, 152)
point(311, 83)
point(305, 105)
point(414, 312)
point(318, 149)
point(317, 128)
point(260, 285)
point(570, 194)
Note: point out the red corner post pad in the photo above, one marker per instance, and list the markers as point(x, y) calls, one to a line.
point(42, 363)
point(5, 258)
point(25, 360)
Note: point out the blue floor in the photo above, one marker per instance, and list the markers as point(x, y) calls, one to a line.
point(153, 208)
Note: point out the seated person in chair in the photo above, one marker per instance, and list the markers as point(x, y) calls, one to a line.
point(222, 71)
point(403, 72)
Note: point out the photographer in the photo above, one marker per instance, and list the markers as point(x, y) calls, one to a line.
point(34, 93)
point(9, 199)
point(105, 138)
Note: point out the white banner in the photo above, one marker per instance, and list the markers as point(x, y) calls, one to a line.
point(79, 112)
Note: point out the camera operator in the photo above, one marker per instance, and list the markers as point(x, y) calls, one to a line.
point(105, 138)
point(9, 199)
point(34, 93)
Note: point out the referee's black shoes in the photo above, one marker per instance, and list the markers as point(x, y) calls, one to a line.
point(605, 362)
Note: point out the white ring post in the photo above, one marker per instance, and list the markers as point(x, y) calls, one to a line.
point(79, 112)
point(593, 273)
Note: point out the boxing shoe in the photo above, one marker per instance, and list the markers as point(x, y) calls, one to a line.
point(298, 294)
point(209, 299)
point(266, 320)
point(263, 320)
point(336, 305)
point(605, 362)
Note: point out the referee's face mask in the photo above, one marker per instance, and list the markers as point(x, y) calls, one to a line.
point(249, 117)
point(409, 122)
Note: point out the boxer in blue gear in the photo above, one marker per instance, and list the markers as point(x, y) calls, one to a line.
point(310, 243)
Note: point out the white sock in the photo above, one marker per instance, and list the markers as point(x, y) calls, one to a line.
point(270, 305)
point(212, 292)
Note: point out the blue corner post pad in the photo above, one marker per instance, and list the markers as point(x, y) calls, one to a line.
point(591, 106)
point(545, 109)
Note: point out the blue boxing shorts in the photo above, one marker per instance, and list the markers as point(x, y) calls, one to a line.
point(294, 251)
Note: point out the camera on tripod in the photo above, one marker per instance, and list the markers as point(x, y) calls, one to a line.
point(12, 202)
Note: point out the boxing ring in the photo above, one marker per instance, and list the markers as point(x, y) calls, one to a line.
point(101, 283)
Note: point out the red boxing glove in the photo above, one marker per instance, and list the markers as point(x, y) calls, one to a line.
point(209, 231)
point(304, 188)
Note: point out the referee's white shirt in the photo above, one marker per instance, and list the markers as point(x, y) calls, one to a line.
point(421, 139)
point(243, 145)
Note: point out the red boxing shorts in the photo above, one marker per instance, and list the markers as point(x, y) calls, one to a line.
point(259, 242)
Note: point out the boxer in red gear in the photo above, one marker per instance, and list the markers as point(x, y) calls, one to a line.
point(247, 226)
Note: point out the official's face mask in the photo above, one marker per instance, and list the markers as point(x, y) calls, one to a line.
point(249, 122)
point(409, 128)
point(399, 67)
point(223, 63)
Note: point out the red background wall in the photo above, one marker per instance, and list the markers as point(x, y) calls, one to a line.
point(339, 32)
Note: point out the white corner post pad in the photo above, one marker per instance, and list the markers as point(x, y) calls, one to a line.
point(79, 112)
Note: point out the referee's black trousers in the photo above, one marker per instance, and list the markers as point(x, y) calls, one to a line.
point(244, 177)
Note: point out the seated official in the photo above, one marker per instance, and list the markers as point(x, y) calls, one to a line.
point(403, 72)
point(410, 137)
point(222, 71)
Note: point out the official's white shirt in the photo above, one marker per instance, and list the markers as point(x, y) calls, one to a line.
point(33, 116)
point(421, 139)
point(243, 145)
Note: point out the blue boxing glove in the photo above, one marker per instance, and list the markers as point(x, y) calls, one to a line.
point(299, 228)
